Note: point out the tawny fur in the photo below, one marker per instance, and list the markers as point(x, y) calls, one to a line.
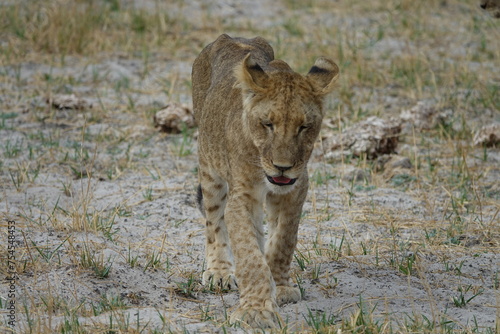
point(258, 121)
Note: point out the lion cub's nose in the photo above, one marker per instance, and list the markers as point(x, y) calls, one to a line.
point(282, 168)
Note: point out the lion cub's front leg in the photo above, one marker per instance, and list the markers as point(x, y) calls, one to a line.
point(244, 216)
point(284, 213)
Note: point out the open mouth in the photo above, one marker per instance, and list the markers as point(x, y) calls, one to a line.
point(281, 180)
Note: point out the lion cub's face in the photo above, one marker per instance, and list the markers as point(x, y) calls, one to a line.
point(282, 115)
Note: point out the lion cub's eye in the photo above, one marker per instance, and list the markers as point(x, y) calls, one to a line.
point(268, 125)
point(302, 128)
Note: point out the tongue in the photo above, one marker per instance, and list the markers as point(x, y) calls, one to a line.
point(282, 179)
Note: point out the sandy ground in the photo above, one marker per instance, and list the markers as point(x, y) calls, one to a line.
point(136, 202)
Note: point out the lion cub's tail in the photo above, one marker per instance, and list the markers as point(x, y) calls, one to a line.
point(199, 200)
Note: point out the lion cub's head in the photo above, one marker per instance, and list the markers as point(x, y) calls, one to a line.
point(282, 114)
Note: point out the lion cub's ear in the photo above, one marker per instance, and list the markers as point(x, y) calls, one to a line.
point(323, 75)
point(250, 76)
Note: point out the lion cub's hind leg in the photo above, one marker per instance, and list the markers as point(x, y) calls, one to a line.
point(219, 260)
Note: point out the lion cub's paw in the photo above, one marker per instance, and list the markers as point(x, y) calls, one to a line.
point(287, 294)
point(261, 317)
point(219, 279)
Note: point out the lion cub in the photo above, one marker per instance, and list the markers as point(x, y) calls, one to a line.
point(258, 121)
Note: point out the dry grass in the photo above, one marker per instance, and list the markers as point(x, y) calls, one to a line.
point(87, 189)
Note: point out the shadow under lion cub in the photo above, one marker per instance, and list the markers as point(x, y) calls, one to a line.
point(258, 121)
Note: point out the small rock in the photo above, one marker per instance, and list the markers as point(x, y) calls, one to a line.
point(488, 135)
point(373, 137)
point(174, 117)
point(68, 101)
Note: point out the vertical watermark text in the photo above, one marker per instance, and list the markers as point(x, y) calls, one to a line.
point(11, 274)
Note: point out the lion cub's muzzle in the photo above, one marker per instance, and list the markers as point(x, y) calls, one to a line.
point(280, 179)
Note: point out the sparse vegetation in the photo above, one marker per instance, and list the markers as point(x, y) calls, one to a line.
point(108, 239)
